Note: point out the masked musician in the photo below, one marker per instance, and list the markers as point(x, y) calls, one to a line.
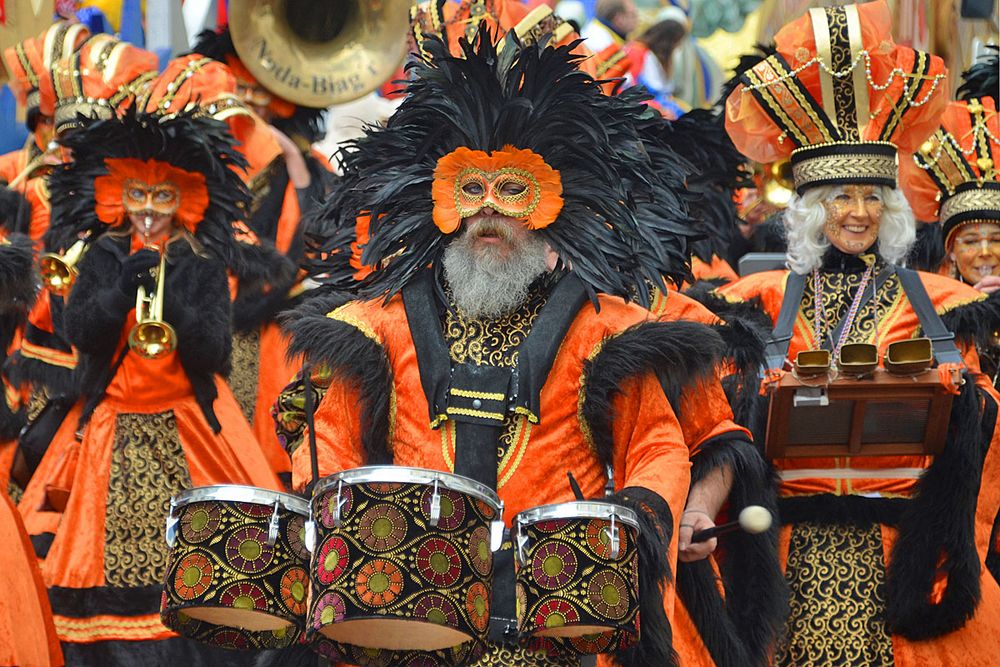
point(261, 276)
point(507, 255)
point(157, 195)
point(883, 554)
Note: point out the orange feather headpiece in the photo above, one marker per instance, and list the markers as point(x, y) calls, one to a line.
point(109, 189)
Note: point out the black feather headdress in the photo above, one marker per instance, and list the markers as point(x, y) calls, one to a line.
point(531, 98)
point(194, 144)
point(983, 78)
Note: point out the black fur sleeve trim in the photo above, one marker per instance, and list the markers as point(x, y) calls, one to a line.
point(975, 322)
point(17, 275)
point(679, 353)
point(656, 527)
point(15, 210)
point(742, 628)
point(940, 520)
point(751, 311)
point(263, 291)
point(744, 341)
point(353, 358)
point(96, 309)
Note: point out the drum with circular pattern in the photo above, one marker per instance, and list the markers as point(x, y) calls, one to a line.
point(577, 575)
point(238, 570)
point(402, 559)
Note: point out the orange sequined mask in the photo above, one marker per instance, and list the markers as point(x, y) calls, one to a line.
point(132, 185)
point(513, 182)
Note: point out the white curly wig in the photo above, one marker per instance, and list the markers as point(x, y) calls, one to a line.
point(805, 218)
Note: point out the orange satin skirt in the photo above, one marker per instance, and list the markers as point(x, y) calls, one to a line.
point(27, 635)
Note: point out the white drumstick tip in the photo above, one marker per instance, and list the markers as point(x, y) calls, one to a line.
point(755, 519)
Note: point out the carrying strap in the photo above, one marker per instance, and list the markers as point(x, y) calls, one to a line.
point(942, 340)
point(781, 337)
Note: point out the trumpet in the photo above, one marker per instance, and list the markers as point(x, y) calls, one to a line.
point(151, 337)
point(58, 272)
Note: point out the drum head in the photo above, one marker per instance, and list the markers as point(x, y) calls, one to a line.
point(247, 619)
point(574, 631)
point(394, 634)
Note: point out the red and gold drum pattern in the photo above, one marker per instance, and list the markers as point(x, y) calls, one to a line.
point(231, 558)
point(568, 577)
point(387, 560)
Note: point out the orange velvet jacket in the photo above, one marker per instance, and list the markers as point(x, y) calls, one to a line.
point(649, 444)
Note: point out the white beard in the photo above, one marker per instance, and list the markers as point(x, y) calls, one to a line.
point(483, 284)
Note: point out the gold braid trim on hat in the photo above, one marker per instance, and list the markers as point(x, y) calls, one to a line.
point(973, 200)
point(860, 166)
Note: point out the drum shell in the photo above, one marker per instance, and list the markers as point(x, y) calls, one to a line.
point(570, 588)
point(221, 562)
point(386, 576)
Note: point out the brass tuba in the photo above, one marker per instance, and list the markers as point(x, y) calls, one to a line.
point(22, 19)
point(59, 272)
point(151, 337)
point(320, 52)
point(778, 187)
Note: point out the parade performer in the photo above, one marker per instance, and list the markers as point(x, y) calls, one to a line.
point(261, 276)
point(883, 554)
point(473, 271)
point(97, 80)
point(161, 194)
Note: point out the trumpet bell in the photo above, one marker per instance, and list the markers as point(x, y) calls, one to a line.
point(153, 339)
point(57, 275)
point(320, 52)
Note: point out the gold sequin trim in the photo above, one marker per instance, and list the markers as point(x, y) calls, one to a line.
point(147, 468)
point(827, 167)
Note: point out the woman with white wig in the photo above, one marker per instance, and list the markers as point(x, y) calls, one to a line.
point(884, 554)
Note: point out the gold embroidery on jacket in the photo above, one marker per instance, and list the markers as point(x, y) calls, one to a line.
point(245, 376)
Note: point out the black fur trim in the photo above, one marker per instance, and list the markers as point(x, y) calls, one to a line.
point(263, 291)
point(11, 422)
point(940, 520)
point(354, 358)
point(750, 311)
point(101, 600)
point(848, 510)
point(15, 210)
point(740, 630)
point(678, 352)
point(976, 322)
point(22, 371)
point(744, 342)
point(656, 527)
point(17, 275)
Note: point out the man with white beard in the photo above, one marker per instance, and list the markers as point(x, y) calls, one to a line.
point(496, 338)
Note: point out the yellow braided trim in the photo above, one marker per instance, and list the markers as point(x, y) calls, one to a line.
point(476, 413)
point(49, 356)
point(102, 628)
point(341, 315)
point(958, 304)
point(485, 395)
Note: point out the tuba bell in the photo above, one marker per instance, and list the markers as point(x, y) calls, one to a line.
point(151, 337)
point(778, 186)
point(315, 53)
point(58, 272)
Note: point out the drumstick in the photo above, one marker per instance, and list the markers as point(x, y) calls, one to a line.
point(753, 519)
point(573, 485)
